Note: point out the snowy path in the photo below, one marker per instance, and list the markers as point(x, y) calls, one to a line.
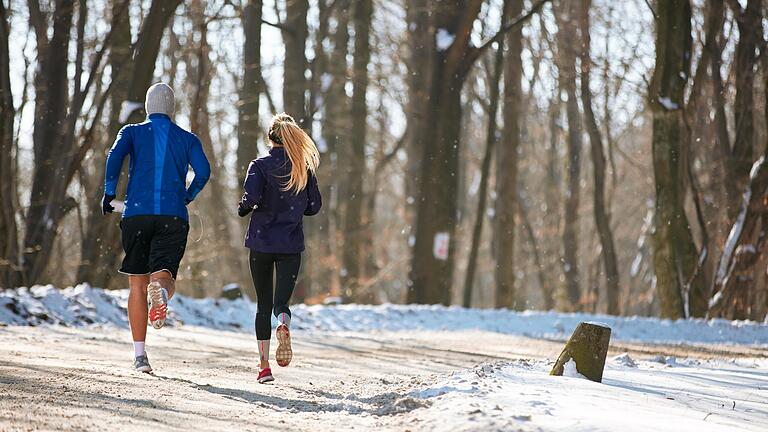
point(57, 378)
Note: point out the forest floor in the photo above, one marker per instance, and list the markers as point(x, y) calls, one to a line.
point(54, 377)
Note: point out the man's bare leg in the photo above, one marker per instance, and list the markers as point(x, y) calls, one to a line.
point(137, 307)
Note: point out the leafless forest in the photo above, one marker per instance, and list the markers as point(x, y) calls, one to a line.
point(578, 155)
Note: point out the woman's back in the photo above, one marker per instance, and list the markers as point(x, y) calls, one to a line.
point(276, 225)
point(281, 188)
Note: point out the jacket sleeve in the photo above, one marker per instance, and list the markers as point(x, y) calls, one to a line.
point(253, 188)
point(120, 149)
point(200, 166)
point(314, 200)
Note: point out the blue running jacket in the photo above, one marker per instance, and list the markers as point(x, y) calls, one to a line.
point(161, 153)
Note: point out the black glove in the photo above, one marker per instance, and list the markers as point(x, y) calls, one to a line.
point(106, 207)
point(187, 200)
point(243, 212)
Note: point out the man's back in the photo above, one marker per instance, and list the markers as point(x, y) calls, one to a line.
point(160, 154)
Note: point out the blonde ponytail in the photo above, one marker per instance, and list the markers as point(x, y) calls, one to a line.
point(300, 148)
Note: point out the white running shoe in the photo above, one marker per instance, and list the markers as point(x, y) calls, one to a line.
point(141, 363)
point(157, 298)
point(284, 353)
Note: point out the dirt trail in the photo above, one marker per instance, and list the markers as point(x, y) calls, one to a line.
point(58, 378)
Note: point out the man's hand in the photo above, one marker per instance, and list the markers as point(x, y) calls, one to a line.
point(243, 212)
point(106, 207)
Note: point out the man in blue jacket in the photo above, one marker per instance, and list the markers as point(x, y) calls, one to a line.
point(155, 222)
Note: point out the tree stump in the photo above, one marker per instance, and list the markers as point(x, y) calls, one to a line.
point(231, 291)
point(587, 346)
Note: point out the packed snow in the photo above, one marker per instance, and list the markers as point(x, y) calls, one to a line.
point(652, 392)
point(84, 305)
point(444, 39)
point(642, 395)
point(668, 104)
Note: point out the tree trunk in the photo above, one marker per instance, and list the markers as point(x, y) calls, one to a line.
point(9, 248)
point(545, 284)
point(99, 248)
point(567, 48)
point(354, 163)
point(42, 219)
point(147, 49)
point(295, 41)
point(749, 21)
point(507, 167)
point(735, 286)
point(249, 129)
point(213, 199)
point(485, 171)
point(587, 347)
point(420, 58)
point(602, 216)
point(335, 135)
point(674, 252)
point(553, 185)
point(433, 253)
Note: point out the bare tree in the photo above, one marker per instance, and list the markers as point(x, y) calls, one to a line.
point(354, 162)
point(51, 111)
point(602, 216)
point(433, 253)
point(674, 252)
point(9, 248)
point(249, 129)
point(295, 33)
point(213, 198)
point(485, 174)
point(101, 234)
point(567, 41)
point(507, 166)
point(749, 21)
point(419, 62)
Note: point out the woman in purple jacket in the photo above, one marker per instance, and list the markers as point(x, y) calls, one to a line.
point(280, 189)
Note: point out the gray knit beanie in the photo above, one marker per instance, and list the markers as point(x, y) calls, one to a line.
point(159, 100)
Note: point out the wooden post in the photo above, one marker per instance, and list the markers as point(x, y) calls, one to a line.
point(587, 346)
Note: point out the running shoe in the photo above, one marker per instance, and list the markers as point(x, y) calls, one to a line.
point(265, 376)
point(157, 298)
point(141, 363)
point(284, 353)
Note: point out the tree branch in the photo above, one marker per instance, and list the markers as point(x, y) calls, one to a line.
point(281, 27)
point(653, 11)
point(736, 8)
point(519, 21)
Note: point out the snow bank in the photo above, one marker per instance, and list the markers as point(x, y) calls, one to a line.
point(83, 305)
point(690, 395)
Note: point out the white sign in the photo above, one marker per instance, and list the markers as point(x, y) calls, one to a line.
point(440, 247)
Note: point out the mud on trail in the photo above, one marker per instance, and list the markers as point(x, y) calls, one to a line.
point(58, 378)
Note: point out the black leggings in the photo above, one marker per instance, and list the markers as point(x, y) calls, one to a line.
point(262, 271)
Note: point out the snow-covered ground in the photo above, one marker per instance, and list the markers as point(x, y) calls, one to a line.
point(390, 367)
point(82, 305)
point(655, 394)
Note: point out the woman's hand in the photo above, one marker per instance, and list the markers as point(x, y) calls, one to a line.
point(243, 212)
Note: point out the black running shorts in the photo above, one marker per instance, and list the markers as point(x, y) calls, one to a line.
point(153, 243)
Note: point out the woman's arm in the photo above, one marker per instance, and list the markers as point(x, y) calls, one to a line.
point(253, 190)
point(314, 200)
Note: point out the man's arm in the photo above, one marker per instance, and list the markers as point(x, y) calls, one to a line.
point(314, 200)
point(117, 154)
point(253, 189)
point(202, 170)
